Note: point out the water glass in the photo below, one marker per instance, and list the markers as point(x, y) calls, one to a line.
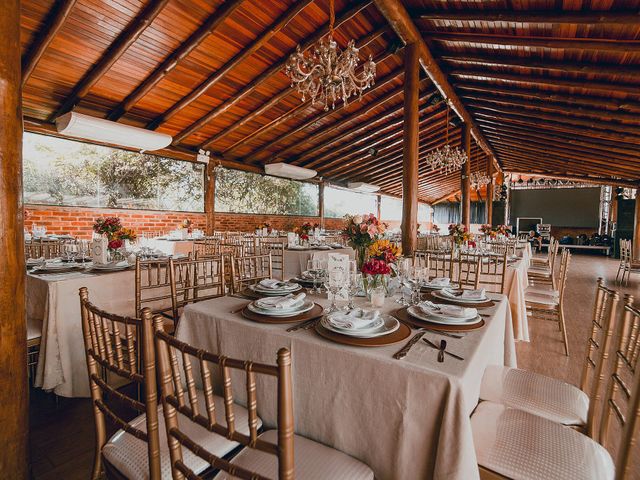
point(354, 286)
point(335, 282)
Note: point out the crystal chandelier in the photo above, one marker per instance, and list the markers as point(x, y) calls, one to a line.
point(479, 180)
point(328, 74)
point(447, 159)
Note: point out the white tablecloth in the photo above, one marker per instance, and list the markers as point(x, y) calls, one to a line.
point(515, 284)
point(173, 247)
point(406, 419)
point(54, 298)
point(295, 261)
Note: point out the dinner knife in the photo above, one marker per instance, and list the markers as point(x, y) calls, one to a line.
point(433, 345)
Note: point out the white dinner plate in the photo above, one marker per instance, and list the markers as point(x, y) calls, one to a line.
point(390, 325)
point(440, 295)
point(306, 306)
point(443, 316)
point(108, 267)
point(293, 287)
point(420, 315)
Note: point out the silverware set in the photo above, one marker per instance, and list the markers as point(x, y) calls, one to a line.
point(442, 349)
point(306, 325)
point(404, 350)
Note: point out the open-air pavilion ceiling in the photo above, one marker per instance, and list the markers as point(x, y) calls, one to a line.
point(552, 87)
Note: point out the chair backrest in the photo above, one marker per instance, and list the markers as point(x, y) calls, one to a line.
point(173, 378)
point(196, 280)
point(565, 260)
point(623, 392)
point(493, 269)
point(209, 247)
point(598, 347)
point(249, 270)
point(43, 248)
point(276, 250)
point(121, 346)
point(154, 287)
point(467, 270)
point(438, 263)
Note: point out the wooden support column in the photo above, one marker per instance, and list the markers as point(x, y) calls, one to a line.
point(636, 228)
point(410, 149)
point(490, 187)
point(13, 331)
point(321, 204)
point(465, 177)
point(210, 196)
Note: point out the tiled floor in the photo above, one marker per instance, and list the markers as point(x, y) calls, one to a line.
point(62, 435)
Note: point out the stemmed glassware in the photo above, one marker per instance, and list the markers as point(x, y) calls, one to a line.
point(313, 268)
point(335, 282)
point(419, 275)
point(404, 271)
point(353, 287)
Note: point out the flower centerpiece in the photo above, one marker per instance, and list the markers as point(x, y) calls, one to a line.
point(503, 230)
point(361, 231)
point(305, 230)
point(116, 234)
point(459, 233)
point(381, 264)
point(264, 225)
point(435, 228)
point(187, 224)
point(486, 229)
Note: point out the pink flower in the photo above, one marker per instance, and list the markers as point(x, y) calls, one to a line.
point(363, 228)
point(372, 230)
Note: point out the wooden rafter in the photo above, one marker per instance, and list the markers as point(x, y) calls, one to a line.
point(620, 46)
point(172, 61)
point(401, 22)
point(264, 76)
point(54, 21)
point(531, 16)
point(130, 34)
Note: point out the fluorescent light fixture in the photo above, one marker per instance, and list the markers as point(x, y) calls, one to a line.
point(289, 171)
point(363, 187)
point(203, 157)
point(78, 125)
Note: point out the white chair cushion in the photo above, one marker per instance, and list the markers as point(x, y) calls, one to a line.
point(523, 446)
point(540, 299)
point(129, 454)
point(313, 461)
point(548, 397)
point(542, 290)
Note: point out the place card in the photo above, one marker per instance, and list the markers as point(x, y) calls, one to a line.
point(99, 246)
point(339, 261)
point(291, 239)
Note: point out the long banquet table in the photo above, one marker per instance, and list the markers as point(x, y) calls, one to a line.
point(407, 419)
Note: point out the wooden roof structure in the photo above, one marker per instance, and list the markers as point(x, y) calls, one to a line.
point(549, 88)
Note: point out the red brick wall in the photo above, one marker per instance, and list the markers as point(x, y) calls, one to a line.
point(78, 221)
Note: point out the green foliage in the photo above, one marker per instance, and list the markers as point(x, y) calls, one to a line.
point(245, 192)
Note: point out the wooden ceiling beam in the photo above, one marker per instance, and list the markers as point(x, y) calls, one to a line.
point(182, 52)
point(488, 75)
point(554, 107)
point(529, 63)
point(295, 112)
point(399, 19)
point(613, 45)
point(566, 17)
point(556, 124)
point(52, 24)
point(127, 38)
point(370, 135)
point(535, 138)
point(576, 178)
point(611, 104)
point(264, 76)
point(553, 134)
point(224, 70)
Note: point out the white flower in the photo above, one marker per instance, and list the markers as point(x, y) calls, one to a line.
point(357, 219)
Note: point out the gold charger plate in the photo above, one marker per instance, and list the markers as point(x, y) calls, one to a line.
point(315, 312)
point(434, 299)
point(394, 337)
point(403, 315)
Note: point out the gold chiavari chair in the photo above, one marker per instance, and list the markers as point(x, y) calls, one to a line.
point(334, 239)
point(155, 285)
point(43, 249)
point(266, 456)
point(209, 247)
point(196, 280)
point(34, 338)
point(249, 270)
point(627, 262)
point(545, 273)
point(438, 263)
point(551, 398)
point(466, 270)
point(511, 443)
point(551, 307)
point(112, 344)
point(492, 272)
point(276, 250)
point(502, 248)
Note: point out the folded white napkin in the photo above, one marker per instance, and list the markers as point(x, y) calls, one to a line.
point(479, 294)
point(35, 261)
point(272, 284)
point(355, 319)
point(440, 281)
point(454, 311)
point(281, 303)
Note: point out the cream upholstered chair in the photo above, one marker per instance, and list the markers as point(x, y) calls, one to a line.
point(551, 307)
point(266, 456)
point(512, 443)
point(543, 271)
point(551, 398)
point(124, 347)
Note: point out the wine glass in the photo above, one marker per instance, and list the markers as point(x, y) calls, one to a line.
point(353, 287)
point(335, 282)
point(314, 271)
point(404, 266)
point(419, 275)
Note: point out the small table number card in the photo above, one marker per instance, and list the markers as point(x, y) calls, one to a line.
point(340, 261)
point(99, 247)
point(291, 239)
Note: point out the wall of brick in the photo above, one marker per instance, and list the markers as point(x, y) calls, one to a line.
point(78, 221)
